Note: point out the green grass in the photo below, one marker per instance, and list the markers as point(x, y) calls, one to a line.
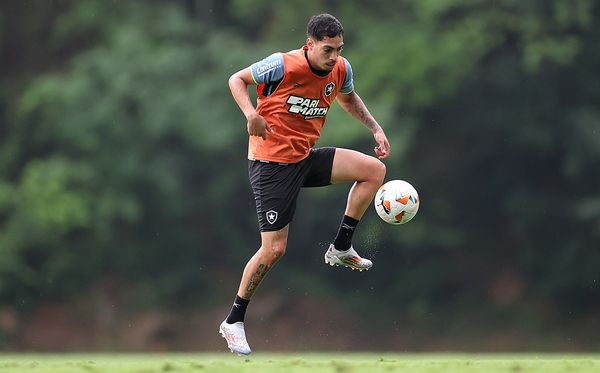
point(298, 362)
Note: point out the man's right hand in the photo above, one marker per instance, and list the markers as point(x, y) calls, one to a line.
point(258, 126)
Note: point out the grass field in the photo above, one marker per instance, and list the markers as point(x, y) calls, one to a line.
point(298, 362)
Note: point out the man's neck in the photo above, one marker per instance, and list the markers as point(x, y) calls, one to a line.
point(318, 72)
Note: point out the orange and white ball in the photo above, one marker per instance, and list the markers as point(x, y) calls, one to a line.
point(396, 202)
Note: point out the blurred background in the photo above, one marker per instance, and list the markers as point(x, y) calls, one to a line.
point(126, 216)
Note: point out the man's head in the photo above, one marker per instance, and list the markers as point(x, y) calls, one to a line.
point(325, 41)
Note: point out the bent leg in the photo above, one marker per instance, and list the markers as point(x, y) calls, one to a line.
point(368, 174)
point(271, 250)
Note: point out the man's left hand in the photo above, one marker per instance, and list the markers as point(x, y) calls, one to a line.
point(383, 150)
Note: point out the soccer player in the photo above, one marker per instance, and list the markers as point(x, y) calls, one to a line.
point(295, 92)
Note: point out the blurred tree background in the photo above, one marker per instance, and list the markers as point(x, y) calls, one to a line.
point(126, 216)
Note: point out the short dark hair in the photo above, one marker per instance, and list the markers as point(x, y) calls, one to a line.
point(323, 25)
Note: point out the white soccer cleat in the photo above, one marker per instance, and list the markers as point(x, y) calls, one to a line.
point(348, 258)
point(235, 336)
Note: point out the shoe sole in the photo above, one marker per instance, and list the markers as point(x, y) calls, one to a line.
point(231, 349)
point(336, 262)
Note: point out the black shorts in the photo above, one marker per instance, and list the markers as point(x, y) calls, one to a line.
point(276, 186)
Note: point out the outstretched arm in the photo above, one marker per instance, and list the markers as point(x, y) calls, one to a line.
point(238, 84)
point(353, 104)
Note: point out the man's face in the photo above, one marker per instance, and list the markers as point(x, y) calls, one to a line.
point(323, 54)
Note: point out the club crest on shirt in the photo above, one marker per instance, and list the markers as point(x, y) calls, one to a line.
point(309, 107)
point(329, 88)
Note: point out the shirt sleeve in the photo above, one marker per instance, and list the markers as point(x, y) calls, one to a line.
point(348, 86)
point(268, 70)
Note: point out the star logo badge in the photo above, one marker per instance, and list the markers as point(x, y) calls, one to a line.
point(329, 88)
point(271, 216)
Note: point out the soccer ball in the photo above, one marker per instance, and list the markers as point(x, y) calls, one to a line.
point(396, 202)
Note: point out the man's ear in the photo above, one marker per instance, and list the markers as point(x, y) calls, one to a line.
point(310, 43)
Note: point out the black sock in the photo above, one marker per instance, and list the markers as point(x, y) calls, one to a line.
point(238, 311)
point(343, 240)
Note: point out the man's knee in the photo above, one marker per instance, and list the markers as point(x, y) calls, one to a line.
point(377, 171)
point(381, 170)
point(274, 243)
point(275, 249)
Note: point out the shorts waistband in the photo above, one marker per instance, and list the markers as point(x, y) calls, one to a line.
point(265, 161)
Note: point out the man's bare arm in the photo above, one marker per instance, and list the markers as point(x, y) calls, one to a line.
point(354, 105)
point(238, 84)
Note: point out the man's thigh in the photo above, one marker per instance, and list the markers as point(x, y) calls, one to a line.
point(351, 165)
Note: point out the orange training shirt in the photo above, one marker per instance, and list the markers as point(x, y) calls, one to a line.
point(294, 105)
